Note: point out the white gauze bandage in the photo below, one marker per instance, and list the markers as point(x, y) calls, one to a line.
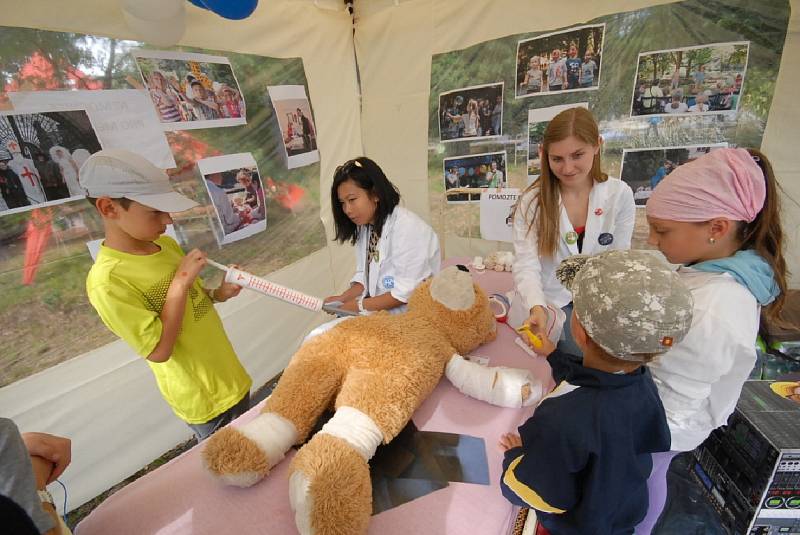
point(301, 502)
point(497, 385)
point(272, 433)
point(356, 428)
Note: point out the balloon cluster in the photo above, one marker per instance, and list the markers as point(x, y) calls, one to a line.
point(162, 22)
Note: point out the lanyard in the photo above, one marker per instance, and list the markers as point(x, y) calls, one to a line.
point(371, 251)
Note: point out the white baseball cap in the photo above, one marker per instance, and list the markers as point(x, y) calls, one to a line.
point(119, 173)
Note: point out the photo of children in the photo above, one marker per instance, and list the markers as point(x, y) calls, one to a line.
point(691, 80)
point(643, 169)
point(237, 195)
point(296, 124)
point(568, 60)
point(471, 112)
point(486, 170)
point(538, 119)
point(191, 90)
point(40, 154)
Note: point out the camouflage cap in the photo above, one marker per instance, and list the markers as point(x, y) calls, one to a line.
point(630, 302)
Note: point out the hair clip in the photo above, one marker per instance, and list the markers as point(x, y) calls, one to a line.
point(357, 163)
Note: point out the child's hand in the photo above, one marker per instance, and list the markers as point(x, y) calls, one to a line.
point(509, 441)
point(226, 290)
point(189, 268)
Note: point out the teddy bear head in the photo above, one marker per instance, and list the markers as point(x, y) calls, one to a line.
point(458, 307)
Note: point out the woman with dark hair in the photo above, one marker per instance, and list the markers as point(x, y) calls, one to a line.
point(395, 248)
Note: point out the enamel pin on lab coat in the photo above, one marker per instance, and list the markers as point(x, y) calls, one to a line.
point(606, 238)
point(571, 237)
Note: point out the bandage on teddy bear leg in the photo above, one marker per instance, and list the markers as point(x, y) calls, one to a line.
point(329, 488)
point(389, 395)
point(243, 456)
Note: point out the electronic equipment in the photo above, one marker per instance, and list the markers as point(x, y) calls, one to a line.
point(751, 467)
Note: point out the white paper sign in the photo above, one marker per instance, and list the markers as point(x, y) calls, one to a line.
point(496, 207)
point(122, 118)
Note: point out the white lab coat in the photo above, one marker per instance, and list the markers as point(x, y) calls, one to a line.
point(408, 253)
point(611, 212)
point(700, 379)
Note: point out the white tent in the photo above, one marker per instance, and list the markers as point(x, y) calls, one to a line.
point(105, 400)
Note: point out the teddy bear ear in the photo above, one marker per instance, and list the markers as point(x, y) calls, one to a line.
point(453, 289)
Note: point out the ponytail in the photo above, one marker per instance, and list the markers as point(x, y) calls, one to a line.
point(765, 236)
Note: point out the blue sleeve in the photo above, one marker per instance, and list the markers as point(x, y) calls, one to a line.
point(545, 473)
point(509, 494)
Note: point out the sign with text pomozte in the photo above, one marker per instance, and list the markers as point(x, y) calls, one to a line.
point(496, 208)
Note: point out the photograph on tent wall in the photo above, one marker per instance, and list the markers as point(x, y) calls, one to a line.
point(559, 62)
point(692, 80)
point(122, 118)
point(40, 154)
point(538, 119)
point(471, 113)
point(234, 186)
point(643, 169)
point(486, 170)
point(191, 90)
point(296, 124)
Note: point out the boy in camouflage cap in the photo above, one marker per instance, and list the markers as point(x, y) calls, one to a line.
point(583, 459)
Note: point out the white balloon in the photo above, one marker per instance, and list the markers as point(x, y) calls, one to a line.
point(165, 32)
point(153, 10)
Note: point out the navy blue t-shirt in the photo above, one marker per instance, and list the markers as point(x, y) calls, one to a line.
point(573, 71)
point(586, 451)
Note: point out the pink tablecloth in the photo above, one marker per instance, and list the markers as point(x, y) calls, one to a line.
point(180, 498)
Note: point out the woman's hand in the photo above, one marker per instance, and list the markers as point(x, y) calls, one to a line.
point(350, 306)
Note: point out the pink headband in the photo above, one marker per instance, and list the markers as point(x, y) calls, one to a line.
point(724, 183)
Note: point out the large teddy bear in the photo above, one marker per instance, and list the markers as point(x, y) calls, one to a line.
point(376, 370)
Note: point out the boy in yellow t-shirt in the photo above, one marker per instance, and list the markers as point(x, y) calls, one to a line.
point(149, 294)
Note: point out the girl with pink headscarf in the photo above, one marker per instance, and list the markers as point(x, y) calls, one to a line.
point(719, 217)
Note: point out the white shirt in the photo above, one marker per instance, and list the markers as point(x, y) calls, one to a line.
point(227, 217)
point(682, 108)
point(611, 215)
point(29, 176)
point(408, 253)
point(700, 378)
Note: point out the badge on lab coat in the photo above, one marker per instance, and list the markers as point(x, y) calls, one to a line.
point(388, 282)
point(606, 238)
point(571, 237)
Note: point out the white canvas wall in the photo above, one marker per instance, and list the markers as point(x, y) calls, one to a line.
point(106, 401)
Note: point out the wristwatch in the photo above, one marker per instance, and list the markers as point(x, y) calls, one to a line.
point(46, 497)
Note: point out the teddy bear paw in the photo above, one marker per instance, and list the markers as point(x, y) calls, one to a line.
point(234, 459)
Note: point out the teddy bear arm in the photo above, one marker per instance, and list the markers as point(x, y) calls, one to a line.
point(497, 385)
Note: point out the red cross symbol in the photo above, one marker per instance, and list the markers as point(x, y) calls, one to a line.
point(29, 175)
point(13, 146)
